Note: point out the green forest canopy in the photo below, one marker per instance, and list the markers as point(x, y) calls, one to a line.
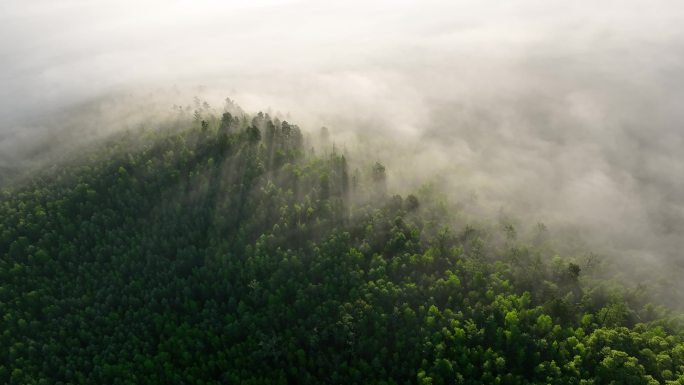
point(223, 251)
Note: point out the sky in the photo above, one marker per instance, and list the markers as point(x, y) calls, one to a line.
point(567, 113)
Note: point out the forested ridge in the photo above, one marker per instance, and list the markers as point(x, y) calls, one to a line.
point(224, 250)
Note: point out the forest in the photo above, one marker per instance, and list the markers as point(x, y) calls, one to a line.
point(226, 249)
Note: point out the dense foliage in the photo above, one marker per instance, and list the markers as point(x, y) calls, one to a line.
point(227, 253)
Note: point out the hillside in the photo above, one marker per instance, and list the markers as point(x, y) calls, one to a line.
point(227, 251)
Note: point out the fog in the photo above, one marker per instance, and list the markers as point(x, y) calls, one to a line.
point(563, 113)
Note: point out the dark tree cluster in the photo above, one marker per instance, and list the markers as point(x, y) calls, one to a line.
point(224, 253)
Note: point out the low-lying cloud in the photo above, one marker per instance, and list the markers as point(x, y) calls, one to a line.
point(563, 113)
